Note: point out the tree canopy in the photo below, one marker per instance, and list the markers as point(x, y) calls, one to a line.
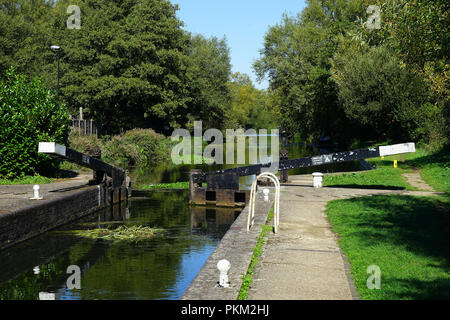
point(332, 73)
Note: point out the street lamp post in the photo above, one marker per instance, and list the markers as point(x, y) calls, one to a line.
point(57, 49)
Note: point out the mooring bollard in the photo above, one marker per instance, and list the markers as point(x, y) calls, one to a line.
point(223, 266)
point(266, 194)
point(317, 179)
point(36, 193)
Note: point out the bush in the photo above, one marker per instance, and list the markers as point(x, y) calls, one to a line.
point(382, 95)
point(29, 114)
point(138, 147)
point(90, 145)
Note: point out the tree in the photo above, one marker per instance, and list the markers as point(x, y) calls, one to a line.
point(296, 59)
point(24, 35)
point(126, 65)
point(250, 107)
point(208, 73)
point(384, 98)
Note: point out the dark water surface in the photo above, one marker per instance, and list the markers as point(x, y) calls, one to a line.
point(158, 269)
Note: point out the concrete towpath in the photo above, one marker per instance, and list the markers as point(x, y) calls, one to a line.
point(15, 197)
point(303, 261)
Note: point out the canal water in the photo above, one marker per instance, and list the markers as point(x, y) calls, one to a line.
point(161, 268)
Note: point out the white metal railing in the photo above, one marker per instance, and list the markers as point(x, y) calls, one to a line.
point(276, 209)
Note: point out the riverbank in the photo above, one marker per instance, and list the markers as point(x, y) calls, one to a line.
point(22, 218)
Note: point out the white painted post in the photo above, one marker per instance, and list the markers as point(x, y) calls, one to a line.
point(317, 179)
point(223, 266)
point(36, 193)
point(266, 194)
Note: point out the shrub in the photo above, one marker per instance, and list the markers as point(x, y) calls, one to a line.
point(29, 114)
point(90, 145)
point(138, 147)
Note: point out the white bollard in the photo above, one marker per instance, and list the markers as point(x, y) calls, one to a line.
point(223, 266)
point(266, 194)
point(317, 179)
point(36, 193)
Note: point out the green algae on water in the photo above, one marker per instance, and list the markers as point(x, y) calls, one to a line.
point(123, 233)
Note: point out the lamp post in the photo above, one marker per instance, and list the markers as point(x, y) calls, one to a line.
point(57, 49)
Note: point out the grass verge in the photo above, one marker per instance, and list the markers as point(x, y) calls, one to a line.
point(434, 169)
point(407, 237)
point(247, 279)
point(37, 179)
point(382, 178)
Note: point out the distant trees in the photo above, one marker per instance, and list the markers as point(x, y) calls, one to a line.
point(130, 64)
point(250, 108)
point(379, 95)
point(331, 73)
point(208, 72)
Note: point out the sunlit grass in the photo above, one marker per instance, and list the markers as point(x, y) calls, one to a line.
point(405, 236)
point(37, 179)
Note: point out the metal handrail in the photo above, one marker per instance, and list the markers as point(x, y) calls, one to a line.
point(251, 211)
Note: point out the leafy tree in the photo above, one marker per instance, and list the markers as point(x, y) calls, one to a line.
point(208, 73)
point(383, 97)
point(296, 60)
point(29, 114)
point(24, 35)
point(417, 33)
point(126, 65)
point(251, 108)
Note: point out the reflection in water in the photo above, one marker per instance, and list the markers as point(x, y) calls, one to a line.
point(157, 269)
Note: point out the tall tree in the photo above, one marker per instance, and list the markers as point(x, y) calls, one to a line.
point(296, 59)
point(24, 35)
point(126, 65)
point(208, 73)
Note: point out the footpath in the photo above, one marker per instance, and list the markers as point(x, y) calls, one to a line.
point(15, 197)
point(303, 261)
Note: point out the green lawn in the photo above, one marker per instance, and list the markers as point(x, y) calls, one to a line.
point(383, 177)
point(434, 169)
point(406, 237)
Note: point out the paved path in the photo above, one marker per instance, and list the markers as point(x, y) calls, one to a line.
point(303, 261)
point(14, 197)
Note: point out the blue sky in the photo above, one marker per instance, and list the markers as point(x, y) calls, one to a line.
point(244, 23)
